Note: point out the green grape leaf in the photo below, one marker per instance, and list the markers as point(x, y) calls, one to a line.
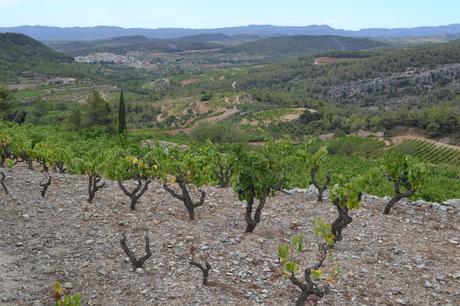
point(297, 242)
point(291, 267)
point(317, 273)
point(283, 252)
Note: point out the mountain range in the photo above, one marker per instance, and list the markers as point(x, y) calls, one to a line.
point(46, 33)
point(273, 47)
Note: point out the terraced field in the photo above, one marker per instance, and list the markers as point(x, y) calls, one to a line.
point(430, 152)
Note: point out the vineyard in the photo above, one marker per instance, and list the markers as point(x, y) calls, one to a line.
point(119, 158)
point(430, 152)
point(98, 190)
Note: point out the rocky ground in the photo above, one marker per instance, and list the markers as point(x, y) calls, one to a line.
point(408, 258)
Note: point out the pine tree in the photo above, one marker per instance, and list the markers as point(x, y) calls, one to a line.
point(122, 115)
point(99, 110)
point(75, 119)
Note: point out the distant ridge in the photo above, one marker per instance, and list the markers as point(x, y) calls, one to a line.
point(124, 44)
point(304, 44)
point(45, 33)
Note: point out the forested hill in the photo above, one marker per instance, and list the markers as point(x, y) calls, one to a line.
point(124, 44)
point(367, 77)
point(22, 55)
point(21, 48)
point(284, 46)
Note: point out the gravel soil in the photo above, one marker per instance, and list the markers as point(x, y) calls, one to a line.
point(411, 257)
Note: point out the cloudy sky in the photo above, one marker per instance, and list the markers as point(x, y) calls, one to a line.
point(346, 14)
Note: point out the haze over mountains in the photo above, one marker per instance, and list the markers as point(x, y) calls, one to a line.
point(46, 33)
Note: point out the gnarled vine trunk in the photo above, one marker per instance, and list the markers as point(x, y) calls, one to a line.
point(398, 196)
point(3, 161)
point(25, 158)
point(310, 292)
point(2, 182)
point(251, 222)
point(42, 162)
point(135, 262)
point(45, 185)
point(343, 219)
point(204, 269)
point(186, 198)
point(94, 184)
point(320, 187)
point(224, 175)
point(136, 193)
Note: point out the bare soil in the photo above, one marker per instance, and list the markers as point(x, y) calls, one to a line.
point(408, 258)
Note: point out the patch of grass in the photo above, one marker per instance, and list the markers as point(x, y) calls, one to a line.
point(28, 93)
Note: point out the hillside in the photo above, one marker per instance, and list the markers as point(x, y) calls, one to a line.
point(367, 77)
point(378, 90)
point(124, 44)
point(219, 38)
point(45, 33)
point(408, 258)
point(276, 47)
point(22, 55)
point(286, 46)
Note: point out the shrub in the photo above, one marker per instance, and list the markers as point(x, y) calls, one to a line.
point(221, 132)
point(316, 279)
point(404, 173)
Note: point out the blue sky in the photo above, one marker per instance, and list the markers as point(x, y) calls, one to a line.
point(346, 14)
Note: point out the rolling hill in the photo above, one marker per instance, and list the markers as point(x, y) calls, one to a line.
point(124, 44)
point(368, 78)
point(285, 46)
point(23, 56)
point(219, 38)
point(17, 47)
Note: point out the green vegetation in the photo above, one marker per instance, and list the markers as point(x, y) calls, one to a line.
point(285, 46)
point(375, 90)
point(254, 173)
point(194, 166)
point(93, 149)
point(350, 146)
point(259, 175)
point(122, 129)
point(404, 173)
point(62, 299)
point(124, 44)
point(221, 132)
point(345, 196)
point(360, 90)
point(4, 101)
point(245, 113)
point(316, 282)
point(99, 111)
point(430, 152)
point(24, 56)
point(317, 161)
point(369, 90)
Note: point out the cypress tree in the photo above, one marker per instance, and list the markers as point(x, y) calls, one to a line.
point(121, 115)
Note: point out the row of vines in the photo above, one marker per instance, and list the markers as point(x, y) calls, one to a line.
point(430, 152)
point(254, 174)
